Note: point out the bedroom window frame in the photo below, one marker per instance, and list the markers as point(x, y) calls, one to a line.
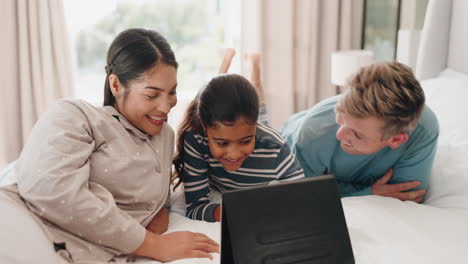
point(394, 36)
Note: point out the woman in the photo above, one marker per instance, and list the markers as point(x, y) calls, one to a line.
point(221, 146)
point(97, 178)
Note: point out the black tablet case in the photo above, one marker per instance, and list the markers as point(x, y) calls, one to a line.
point(295, 222)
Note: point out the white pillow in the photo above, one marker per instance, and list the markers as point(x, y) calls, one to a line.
point(447, 96)
point(451, 73)
point(6, 175)
point(23, 240)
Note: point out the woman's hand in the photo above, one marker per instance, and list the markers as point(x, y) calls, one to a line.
point(177, 245)
point(160, 222)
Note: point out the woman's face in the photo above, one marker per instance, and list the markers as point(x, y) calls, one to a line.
point(146, 102)
point(232, 144)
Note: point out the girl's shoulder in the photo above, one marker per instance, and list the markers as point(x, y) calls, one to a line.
point(194, 133)
point(268, 138)
point(194, 137)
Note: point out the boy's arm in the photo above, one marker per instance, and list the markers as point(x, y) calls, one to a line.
point(407, 180)
point(309, 157)
point(347, 189)
point(416, 164)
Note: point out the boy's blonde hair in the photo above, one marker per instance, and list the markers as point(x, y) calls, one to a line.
point(388, 91)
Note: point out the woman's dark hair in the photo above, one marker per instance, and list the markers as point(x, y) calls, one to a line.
point(223, 100)
point(133, 52)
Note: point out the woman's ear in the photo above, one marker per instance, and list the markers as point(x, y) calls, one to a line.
point(115, 85)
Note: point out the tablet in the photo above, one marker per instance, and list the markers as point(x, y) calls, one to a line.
point(293, 222)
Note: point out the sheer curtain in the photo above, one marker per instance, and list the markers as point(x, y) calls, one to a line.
point(36, 68)
point(296, 39)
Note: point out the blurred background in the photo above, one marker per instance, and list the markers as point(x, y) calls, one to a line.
point(57, 48)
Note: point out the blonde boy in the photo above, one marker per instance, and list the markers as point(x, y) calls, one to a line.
point(377, 138)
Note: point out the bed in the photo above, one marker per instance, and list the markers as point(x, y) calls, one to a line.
point(382, 230)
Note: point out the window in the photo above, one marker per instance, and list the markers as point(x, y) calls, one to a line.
point(383, 21)
point(380, 28)
point(196, 30)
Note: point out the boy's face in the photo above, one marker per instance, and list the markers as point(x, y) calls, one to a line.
point(361, 136)
point(231, 144)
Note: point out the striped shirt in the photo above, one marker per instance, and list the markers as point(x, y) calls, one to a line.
point(271, 160)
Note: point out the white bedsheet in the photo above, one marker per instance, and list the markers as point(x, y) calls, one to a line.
point(385, 230)
point(382, 230)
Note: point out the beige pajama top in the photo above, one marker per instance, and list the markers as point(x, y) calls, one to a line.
point(92, 179)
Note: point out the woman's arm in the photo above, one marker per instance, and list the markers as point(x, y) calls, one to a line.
point(53, 178)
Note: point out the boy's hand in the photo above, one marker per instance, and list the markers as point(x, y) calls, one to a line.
point(399, 190)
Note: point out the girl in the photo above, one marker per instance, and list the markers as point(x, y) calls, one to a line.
point(221, 146)
point(97, 178)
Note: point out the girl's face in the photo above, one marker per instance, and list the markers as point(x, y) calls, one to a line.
point(232, 144)
point(146, 102)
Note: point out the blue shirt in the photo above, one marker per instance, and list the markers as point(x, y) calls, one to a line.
point(312, 137)
point(271, 160)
